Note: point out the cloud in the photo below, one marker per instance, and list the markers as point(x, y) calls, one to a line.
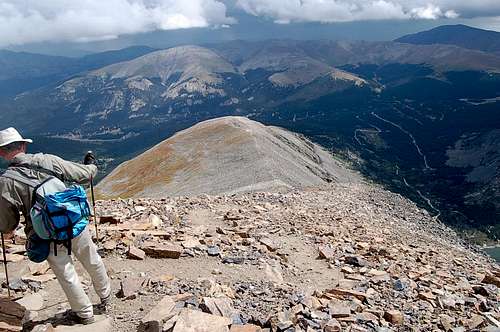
point(492, 23)
point(29, 21)
point(328, 11)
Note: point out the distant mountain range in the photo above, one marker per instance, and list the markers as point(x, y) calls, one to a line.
point(166, 84)
point(458, 35)
point(422, 119)
point(20, 71)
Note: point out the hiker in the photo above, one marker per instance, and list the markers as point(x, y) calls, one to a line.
point(17, 197)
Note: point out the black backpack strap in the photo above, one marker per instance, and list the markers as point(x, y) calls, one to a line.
point(70, 238)
point(65, 243)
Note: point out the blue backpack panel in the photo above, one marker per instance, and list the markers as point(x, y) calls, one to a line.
point(60, 216)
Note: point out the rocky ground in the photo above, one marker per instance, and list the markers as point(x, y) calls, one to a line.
point(350, 258)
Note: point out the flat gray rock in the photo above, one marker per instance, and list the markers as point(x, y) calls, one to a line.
point(32, 302)
point(102, 323)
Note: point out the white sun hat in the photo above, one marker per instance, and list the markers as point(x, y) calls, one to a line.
point(11, 135)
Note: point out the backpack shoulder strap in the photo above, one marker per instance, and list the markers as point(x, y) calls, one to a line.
point(40, 169)
point(13, 175)
point(32, 183)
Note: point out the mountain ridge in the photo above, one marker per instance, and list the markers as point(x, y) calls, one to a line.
point(132, 86)
point(458, 35)
point(22, 71)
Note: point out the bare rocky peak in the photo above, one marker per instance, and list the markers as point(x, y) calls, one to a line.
point(302, 72)
point(338, 74)
point(279, 59)
point(294, 71)
point(186, 61)
point(292, 65)
point(226, 155)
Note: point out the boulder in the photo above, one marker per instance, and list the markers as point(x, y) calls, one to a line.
point(447, 322)
point(491, 280)
point(155, 221)
point(356, 261)
point(162, 250)
point(366, 317)
point(339, 309)
point(17, 285)
point(326, 252)
point(481, 290)
point(190, 242)
point(111, 218)
point(274, 273)
point(232, 216)
point(32, 302)
point(37, 269)
point(332, 326)
point(474, 322)
point(394, 317)
point(110, 245)
point(12, 315)
point(339, 292)
point(43, 328)
point(427, 296)
point(270, 243)
point(154, 320)
point(129, 287)
point(213, 250)
point(220, 306)
point(245, 328)
point(492, 320)
point(197, 321)
point(135, 253)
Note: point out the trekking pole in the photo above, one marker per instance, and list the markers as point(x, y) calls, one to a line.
point(5, 265)
point(93, 207)
point(88, 158)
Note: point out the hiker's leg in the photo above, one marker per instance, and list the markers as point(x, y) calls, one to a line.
point(86, 252)
point(64, 269)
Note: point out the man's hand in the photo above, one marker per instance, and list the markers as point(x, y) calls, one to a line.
point(90, 159)
point(9, 235)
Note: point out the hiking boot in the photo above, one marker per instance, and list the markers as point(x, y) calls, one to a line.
point(103, 307)
point(73, 316)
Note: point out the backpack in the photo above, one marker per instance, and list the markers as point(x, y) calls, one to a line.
point(59, 213)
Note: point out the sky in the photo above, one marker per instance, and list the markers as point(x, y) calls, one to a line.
point(84, 26)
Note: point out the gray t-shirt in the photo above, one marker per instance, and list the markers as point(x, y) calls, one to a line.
point(16, 197)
